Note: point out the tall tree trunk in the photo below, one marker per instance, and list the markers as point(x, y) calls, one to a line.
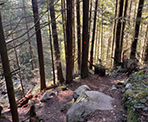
point(123, 26)
point(7, 74)
point(129, 16)
point(56, 44)
point(96, 44)
point(93, 35)
point(69, 56)
point(89, 22)
point(73, 32)
point(108, 50)
point(30, 47)
point(118, 33)
point(114, 30)
point(145, 47)
point(137, 26)
point(99, 43)
point(85, 43)
point(64, 23)
point(53, 70)
point(102, 42)
point(78, 34)
point(135, 13)
point(39, 44)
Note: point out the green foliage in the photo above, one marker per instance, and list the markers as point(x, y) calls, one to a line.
point(136, 98)
point(131, 116)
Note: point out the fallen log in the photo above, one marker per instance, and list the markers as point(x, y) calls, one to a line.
point(24, 100)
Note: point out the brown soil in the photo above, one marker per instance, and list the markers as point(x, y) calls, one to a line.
point(50, 112)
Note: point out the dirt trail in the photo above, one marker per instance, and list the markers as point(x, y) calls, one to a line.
point(50, 112)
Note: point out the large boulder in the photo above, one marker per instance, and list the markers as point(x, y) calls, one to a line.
point(80, 90)
point(88, 103)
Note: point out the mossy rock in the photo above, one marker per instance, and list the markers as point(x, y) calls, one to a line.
point(128, 93)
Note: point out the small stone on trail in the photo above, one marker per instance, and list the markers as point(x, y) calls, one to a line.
point(41, 105)
point(46, 96)
point(113, 87)
point(128, 86)
point(100, 90)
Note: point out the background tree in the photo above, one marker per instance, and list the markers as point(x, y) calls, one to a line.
point(50, 39)
point(123, 27)
point(114, 29)
point(64, 22)
point(85, 40)
point(56, 44)
point(69, 56)
point(93, 35)
point(137, 26)
point(78, 34)
point(39, 44)
point(118, 33)
point(7, 74)
point(145, 50)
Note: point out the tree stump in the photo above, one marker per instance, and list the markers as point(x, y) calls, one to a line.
point(100, 70)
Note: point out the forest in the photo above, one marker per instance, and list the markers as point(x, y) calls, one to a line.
point(69, 51)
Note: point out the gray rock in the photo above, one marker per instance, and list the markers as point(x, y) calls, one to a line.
point(113, 87)
point(80, 90)
point(128, 86)
point(41, 105)
point(46, 96)
point(86, 104)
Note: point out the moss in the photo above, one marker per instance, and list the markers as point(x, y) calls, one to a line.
point(62, 87)
point(128, 93)
point(132, 116)
point(141, 95)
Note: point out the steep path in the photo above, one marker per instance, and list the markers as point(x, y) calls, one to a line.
point(50, 111)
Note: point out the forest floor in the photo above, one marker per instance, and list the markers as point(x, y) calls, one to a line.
point(50, 111)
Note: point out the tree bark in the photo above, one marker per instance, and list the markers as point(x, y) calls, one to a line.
point(56, 44)
point(73, 33)
point(114, 30)
point(85, 45)
point(7, 74)
point(129, 16)
point(118, 33)
point(53, 70)
point(79, 34)
point(108, 51)
point(123, 26)
point(39, 44)
point(137, 26)
point(69, 56)
point(145, 48)
point(93, 35)
point(102, 42)
point(89, 16)
point(64, 23)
